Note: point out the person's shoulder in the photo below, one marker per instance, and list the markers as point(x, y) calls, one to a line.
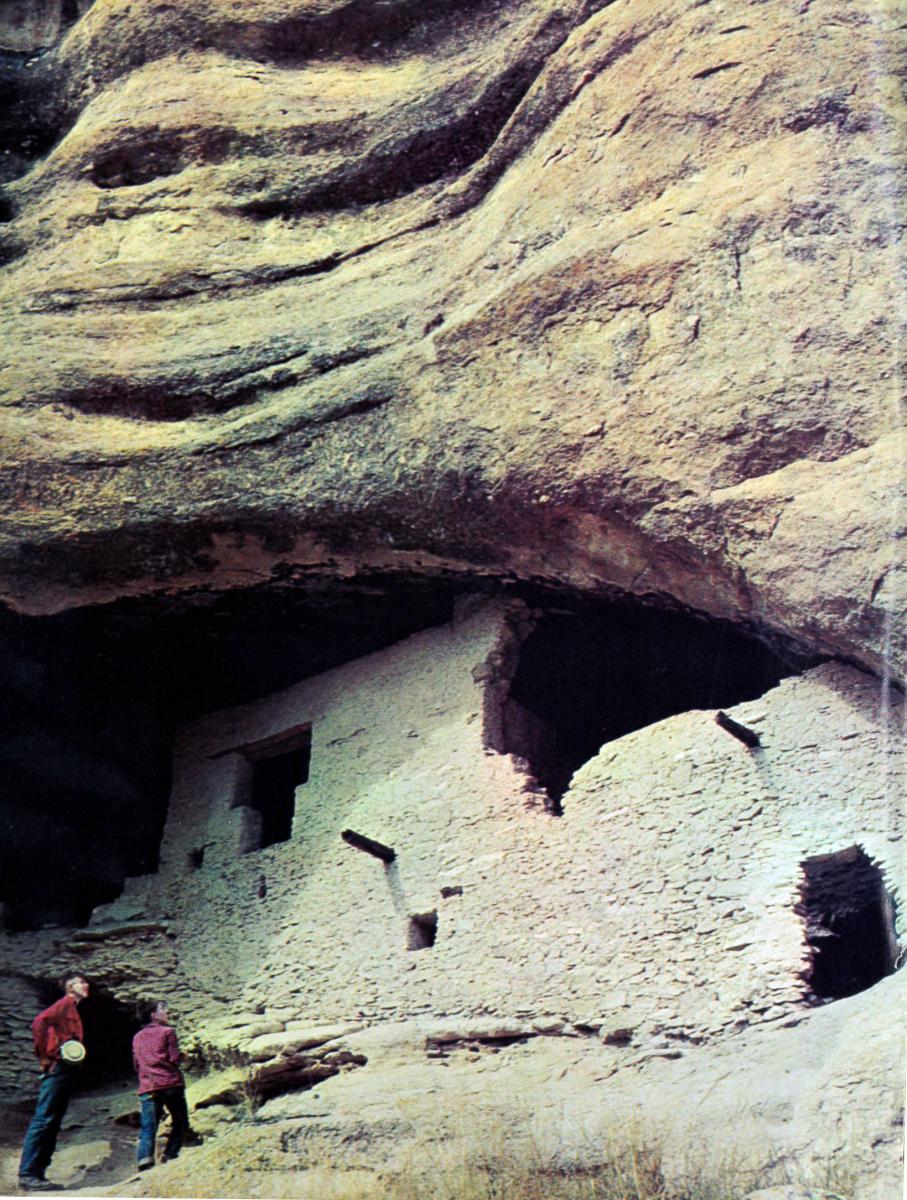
point(57, 1007)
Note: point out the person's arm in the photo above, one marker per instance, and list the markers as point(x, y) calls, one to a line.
point(174, 1054)
point(40, 1028)
point(135, 1057)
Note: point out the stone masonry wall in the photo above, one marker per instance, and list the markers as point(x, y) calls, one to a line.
point(18, 1005)
point(662, 901)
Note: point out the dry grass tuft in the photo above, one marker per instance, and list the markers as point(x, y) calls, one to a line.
point(630, 1168)
point(495, 1166)
point(634, 1174)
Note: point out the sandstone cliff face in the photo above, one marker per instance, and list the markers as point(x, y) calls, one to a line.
point(600, 296)
point(605, 294)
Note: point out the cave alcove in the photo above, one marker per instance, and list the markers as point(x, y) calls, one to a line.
point(94, 695)
point(588, 676)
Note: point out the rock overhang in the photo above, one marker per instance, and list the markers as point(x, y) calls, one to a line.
point(632, 341)
point(616, 371)
point(595, 350)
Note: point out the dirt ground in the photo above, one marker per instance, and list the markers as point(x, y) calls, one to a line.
point(95, 1157)
point(95, 1150)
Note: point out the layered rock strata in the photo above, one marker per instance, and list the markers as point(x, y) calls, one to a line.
point(607, 294)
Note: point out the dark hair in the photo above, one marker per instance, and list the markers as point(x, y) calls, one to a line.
point(68, 979)
point(150, 1007)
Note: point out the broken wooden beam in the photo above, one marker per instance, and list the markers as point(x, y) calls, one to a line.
point(369, 845)
point(747, 736)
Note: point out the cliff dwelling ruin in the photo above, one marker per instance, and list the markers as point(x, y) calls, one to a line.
point(456, 740)
point(527, 798)
point(573, 679)
point(452, 583)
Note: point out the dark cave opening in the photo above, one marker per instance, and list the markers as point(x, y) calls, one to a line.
point(108, 1026)
point(589, 676)
point(849, 918)
point(109, 1029)
point(70, 11)
point(85, 761)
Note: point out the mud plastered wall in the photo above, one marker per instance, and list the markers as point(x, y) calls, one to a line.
point(702, 841)
point(312, 927)
point(661, 903)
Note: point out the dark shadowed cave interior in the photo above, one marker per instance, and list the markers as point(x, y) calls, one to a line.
point(108, 1026)
point(595, 674)
point(850, 921)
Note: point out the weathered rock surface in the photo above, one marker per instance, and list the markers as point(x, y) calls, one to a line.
point(37, 24)
point(607, 294)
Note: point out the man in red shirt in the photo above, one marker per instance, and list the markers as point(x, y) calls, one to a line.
point(156, 1054)
point(51, 1029)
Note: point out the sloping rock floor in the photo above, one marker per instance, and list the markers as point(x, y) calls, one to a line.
point(777, 1106)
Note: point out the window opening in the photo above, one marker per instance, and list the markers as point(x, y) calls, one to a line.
point(280, 765)
point(423, 929)
point(849, 917)
point(196, 858)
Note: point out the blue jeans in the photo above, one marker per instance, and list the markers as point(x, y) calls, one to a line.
point(41, 1138)
point(153, 1105)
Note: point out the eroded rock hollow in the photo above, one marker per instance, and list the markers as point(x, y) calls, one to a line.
point(543, 360)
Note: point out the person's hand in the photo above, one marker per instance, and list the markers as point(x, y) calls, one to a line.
point(46, 1063)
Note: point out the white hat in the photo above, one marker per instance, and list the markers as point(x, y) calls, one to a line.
point(72, 1051)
